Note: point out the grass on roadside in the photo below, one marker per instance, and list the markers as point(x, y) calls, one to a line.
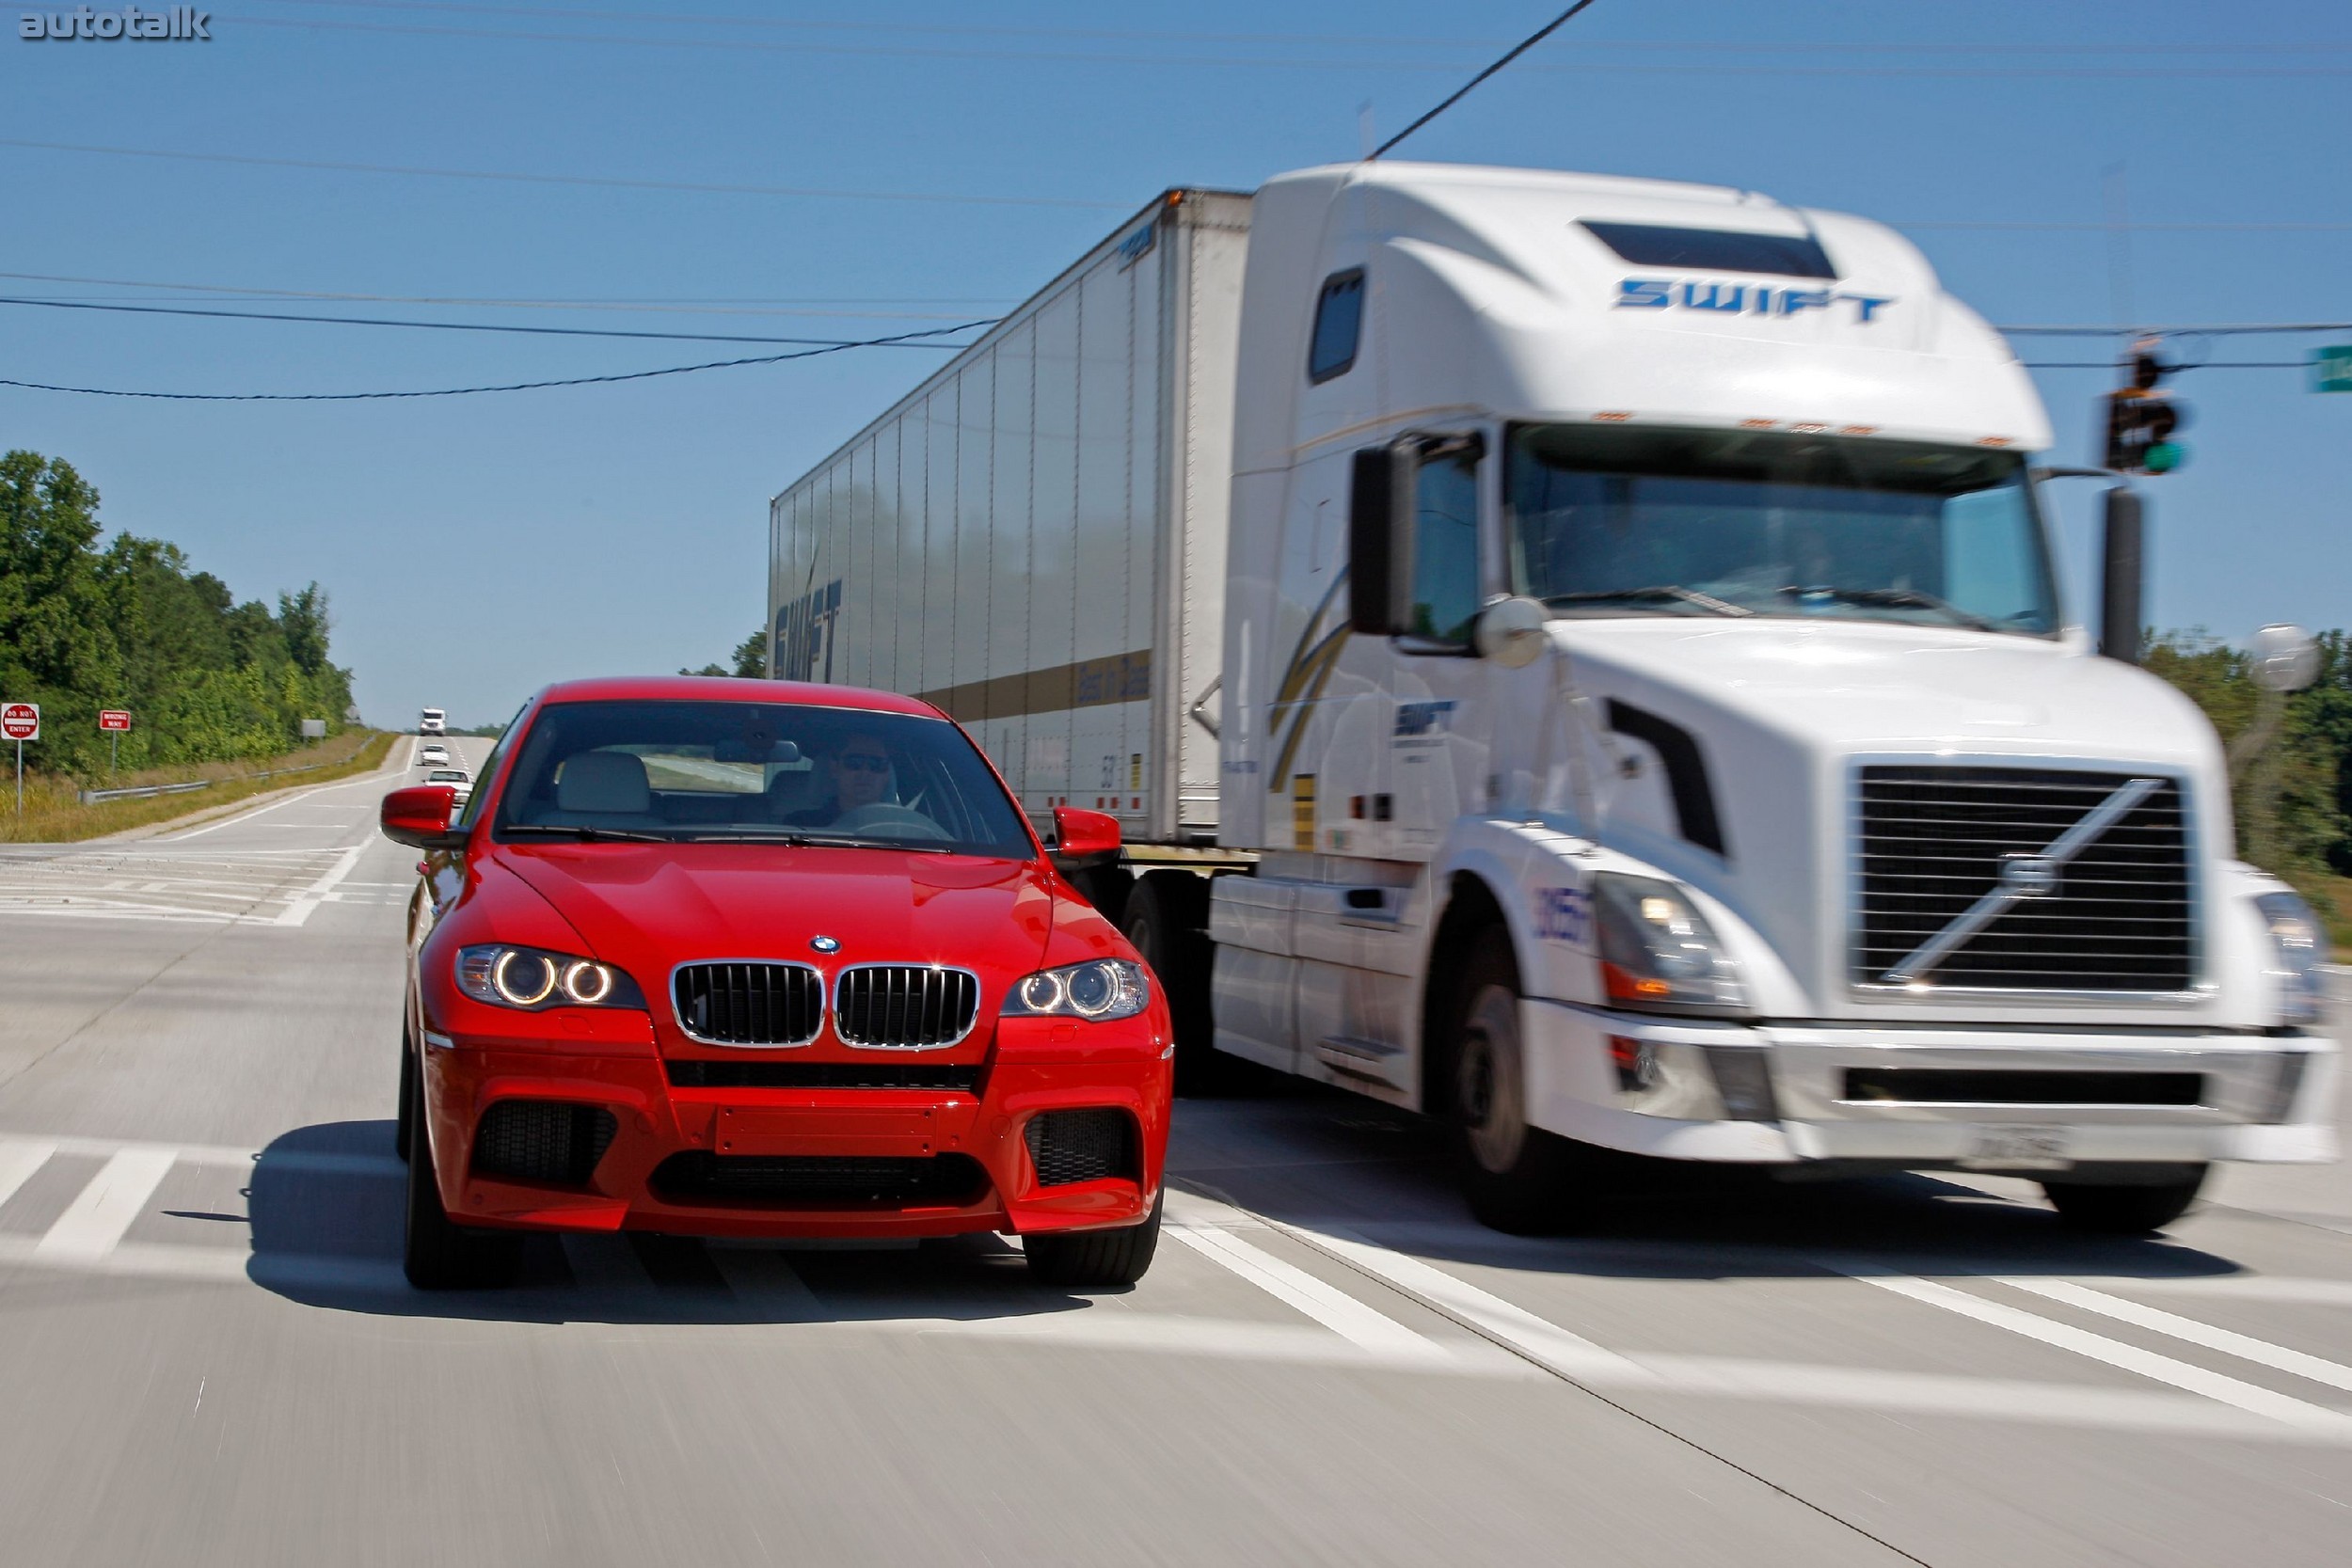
point(2335, 911)
point(53, 815)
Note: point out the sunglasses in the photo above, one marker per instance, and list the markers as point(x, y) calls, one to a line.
point(859, 763)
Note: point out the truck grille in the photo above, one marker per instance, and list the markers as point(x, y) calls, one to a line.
point(542, 1140)
point(905, 1006)
point(749, 1003)
point(2115, 916)
point(821, 1181)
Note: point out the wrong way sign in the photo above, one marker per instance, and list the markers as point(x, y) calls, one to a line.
point(20, 721)
point(114, 718)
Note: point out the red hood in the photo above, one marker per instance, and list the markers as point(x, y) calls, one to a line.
point(648, 909)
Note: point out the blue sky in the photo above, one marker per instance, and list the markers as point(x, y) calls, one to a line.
point(478, 547)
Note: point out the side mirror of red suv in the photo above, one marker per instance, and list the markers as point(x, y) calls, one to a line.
point(419, 817)
point(1082, 834)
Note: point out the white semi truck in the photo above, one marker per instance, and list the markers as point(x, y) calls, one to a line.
point(1581, 658)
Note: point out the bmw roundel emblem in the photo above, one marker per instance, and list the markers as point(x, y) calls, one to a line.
point(824, 945)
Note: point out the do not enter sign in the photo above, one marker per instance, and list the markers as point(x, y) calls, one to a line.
point(20, 721)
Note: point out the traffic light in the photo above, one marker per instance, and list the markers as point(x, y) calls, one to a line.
point(2140, 419)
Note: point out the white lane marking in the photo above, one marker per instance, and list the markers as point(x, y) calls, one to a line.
point(1105, 1329)
point(18, 1161)
point(108, 1205)
point(1540, 1340)
point(313, 896)
point(373, 776)
point(1334, 1308)
point(2278, 1287)
point(315, 1161)
point(2336, 1424)
point(144, 1259)
point(2244, 1346)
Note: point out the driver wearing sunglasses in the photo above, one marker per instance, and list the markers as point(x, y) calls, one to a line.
point(860, 772)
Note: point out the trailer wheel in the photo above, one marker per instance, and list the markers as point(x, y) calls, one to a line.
point(1516, 1176)
point(2115, 1209)
point(1166, 920)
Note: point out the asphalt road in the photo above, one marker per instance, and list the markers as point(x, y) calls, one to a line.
point(207, 1353)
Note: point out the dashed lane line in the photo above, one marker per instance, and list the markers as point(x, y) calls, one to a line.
point(2244, 1346)
point(94, 1223)
point(2335, 1425)
point(18, 1162)
point(1373, 1332)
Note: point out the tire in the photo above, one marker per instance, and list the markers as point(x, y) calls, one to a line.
point(405, 1128)
point(436, 1253)
point(2116, 1208)
point(1517, 1177)
point(1095, 1259)
point(1167, 919)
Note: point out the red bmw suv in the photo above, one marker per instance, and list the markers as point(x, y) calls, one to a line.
point(731, 958)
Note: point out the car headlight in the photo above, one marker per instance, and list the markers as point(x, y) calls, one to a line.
point(1098, 989)
point(2297, 948)
point(532, 979)
point(1657, 951)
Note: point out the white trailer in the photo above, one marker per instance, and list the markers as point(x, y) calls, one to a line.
point(1647, 716)
point(1034, 538)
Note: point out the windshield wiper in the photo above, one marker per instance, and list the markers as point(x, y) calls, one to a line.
point(1897, 598)
point(1672, 591)
point(585, 834)
point(813, 841)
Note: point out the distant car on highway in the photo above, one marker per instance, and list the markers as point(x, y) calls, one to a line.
point(456, 778)
point(432, 756)
point(736, 957)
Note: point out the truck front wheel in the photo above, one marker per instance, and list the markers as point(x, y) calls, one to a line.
point(1516, 1175)
point(2118, 1209)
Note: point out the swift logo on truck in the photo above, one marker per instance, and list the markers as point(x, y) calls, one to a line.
point(1754, 299)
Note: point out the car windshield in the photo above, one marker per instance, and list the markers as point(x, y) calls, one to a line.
point(1630, 521)
point(755, 772)
point(445, 775)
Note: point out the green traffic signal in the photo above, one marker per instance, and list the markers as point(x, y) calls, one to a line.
point(2163, 457)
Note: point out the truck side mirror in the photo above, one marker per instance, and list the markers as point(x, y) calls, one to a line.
point(1380, 538)
point(2123, 541)
point(1511, 632)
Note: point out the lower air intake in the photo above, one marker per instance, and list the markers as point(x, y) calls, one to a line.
point(819, 1181)
point(542, 1140)
point(1082, 1146)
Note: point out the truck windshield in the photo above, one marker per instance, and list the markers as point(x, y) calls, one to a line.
point(1632, 521)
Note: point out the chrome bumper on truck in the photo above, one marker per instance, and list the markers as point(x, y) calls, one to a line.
point(1926, 1098)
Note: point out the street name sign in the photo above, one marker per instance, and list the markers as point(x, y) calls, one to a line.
point(113, 718)
point(2332, 368)
point(20, 721)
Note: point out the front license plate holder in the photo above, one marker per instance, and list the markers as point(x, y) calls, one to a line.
point(1992, 1148)
point(850, 1130)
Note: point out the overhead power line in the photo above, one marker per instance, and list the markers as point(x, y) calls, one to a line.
point(2228, 329)
point(909, 339)
point(447, 392)
point(598, 180)
point(1463, 90)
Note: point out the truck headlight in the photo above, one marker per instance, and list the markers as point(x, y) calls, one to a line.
point(1657, 951)
point(1098, 989)
point(2296, 951)
point(532, 979)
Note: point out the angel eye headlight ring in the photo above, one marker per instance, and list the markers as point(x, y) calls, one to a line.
point(503, 978)
point(1042, 992)
point(587, 983)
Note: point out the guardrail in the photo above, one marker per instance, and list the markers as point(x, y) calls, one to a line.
point(143, 792)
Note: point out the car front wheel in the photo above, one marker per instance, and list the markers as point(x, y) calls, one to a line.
point(1095, 1259)
point(436, 1253)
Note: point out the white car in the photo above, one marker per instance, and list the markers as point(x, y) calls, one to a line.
point(455, 777)
point(433, 756)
